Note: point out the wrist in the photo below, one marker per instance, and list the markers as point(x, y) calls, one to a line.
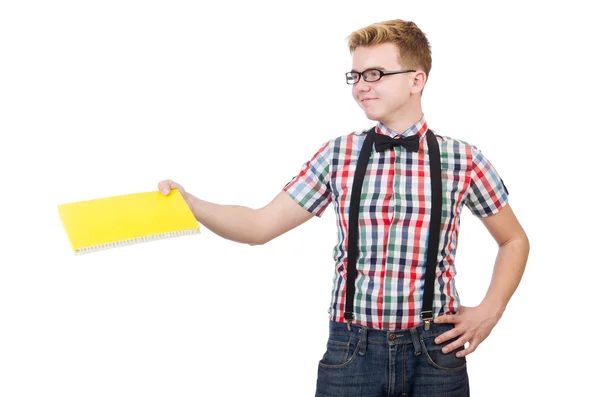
point(495, 307)
point(191, 201)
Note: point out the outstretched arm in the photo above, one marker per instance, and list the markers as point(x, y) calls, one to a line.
point(243, 224)
point(251, 226)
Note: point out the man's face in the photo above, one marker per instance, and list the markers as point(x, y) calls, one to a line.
point(381, 100)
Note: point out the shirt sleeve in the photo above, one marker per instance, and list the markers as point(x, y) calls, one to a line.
point(311, 188)
point(487, 193)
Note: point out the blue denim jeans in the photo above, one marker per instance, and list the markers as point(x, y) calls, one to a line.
point(366, 362)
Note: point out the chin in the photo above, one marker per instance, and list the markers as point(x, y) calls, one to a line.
point(372, 116)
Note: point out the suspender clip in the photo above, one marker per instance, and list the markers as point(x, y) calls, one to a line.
point(427, 316)
point(349, 317)
point(427, 325)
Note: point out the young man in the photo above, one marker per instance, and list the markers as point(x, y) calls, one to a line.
point(398, 211)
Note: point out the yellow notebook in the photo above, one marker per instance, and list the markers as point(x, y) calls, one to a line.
point(109, 222)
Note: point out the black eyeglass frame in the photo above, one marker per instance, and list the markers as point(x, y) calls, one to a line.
point(381, 74)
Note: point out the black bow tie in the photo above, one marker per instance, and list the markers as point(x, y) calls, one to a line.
point(384, 142)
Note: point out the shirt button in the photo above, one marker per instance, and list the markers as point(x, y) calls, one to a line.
point(392, 336)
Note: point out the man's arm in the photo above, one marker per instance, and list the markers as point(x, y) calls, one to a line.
point(474, 324)
point(247, 225)
point(513, 250)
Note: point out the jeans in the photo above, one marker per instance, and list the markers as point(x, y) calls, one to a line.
point(366, 362)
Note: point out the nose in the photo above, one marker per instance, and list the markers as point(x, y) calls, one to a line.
point(362, 86)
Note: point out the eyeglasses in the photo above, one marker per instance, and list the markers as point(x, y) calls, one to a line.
point(370, 75)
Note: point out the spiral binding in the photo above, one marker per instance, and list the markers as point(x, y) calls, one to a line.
point(137, 240)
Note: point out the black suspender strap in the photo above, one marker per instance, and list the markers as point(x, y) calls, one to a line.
point(434, 226)
point(435, 169)
point(359, 176)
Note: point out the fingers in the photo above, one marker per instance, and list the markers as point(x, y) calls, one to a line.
point(166, 185)
point(455, 345)
point(445, 319)
point(472, 345)
point(472, 341)
point(453, 333)
point(469, 350)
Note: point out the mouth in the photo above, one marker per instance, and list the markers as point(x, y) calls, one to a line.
point(367, 100)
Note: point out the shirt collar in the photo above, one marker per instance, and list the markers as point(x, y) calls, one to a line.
point(419, 128)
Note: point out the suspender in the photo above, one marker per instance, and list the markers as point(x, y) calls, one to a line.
point(434, 226)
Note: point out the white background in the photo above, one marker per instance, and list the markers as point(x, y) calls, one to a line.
point(99, 98)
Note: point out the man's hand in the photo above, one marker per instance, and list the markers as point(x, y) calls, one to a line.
point(471, 324)
point(166, 185)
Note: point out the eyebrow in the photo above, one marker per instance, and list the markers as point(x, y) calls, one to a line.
point(370, 67)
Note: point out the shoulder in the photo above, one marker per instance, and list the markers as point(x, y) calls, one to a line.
point(354, 136)
point(349, 139)
point(455, 144)
point(337, 145)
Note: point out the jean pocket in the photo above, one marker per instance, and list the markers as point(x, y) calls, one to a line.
point(441, 360)
point(341, 350)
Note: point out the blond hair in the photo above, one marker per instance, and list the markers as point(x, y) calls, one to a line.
point(414, 51)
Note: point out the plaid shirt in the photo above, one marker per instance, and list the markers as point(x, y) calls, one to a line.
point(394, 220)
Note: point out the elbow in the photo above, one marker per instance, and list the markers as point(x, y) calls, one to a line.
point(524, 242)
point(263, 238)
point(520, 238)
point(258, 239)
point(518, 245)
point(261, 232)
point(526, 246)
point(256, 242)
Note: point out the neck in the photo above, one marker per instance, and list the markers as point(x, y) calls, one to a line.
point(404, 118)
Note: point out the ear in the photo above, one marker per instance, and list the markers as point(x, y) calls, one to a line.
point(418, 82)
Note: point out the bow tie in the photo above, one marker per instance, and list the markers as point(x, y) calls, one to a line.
point(384, 142)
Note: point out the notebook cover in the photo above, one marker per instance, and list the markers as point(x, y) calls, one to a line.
point(109, 222)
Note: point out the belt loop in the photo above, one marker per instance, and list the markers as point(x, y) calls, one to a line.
point(363, 341)
point(414, 334)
